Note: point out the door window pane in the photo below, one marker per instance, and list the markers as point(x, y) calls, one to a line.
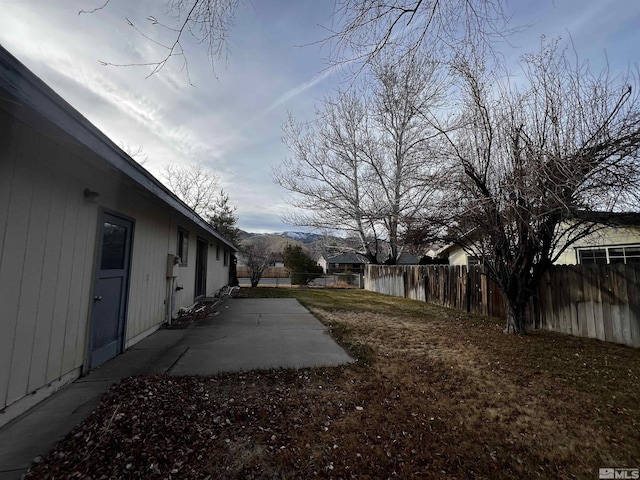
point(113, 247)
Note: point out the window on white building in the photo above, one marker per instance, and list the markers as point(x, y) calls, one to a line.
point(183, 246)
point(471, 260)
point(604, 255)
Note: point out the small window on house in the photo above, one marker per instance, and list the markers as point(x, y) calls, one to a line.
point(627, 254)
point(217, 252)
point(632, 254)
point(593, 256)
point(183, 246)
point(226, 257)
point(473, 261)
point(616, 255)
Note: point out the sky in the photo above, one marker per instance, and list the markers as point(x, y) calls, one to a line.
point(230, 116)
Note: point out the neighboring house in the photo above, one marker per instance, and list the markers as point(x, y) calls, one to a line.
point(95, 253)
point(455, 255)
point(322, 261)
point(406, 258)
point(277, 261)
point(355, 262)
point(345, 262)
point(616, 242)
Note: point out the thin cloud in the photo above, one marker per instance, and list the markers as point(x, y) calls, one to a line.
point(294, 92)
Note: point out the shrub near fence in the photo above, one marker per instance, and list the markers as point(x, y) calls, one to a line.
point(596, 301)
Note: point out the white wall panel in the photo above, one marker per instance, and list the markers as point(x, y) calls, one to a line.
point(53, 210)
point(217, 273)
point(48, 250)
point(31, 278)
point(63, 281)
point(11, 255)
point(78, 297)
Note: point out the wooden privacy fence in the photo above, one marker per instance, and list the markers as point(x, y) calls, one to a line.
point(595, 301)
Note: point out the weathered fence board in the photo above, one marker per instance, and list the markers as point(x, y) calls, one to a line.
point(594, 301)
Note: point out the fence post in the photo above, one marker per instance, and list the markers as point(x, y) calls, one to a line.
point(426, 288)
point(467, 292)
point(405, 281)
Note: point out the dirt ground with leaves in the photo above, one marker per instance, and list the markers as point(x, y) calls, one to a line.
point(434, 393)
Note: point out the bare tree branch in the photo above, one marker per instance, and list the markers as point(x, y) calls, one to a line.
point(195, 185)
point(94, 10)
point(208, 22)
point(367, 29)
point(529, 160)
point(137, 154)
point(257, 258)
point(364, 167)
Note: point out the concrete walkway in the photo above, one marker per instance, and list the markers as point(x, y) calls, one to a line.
point(247, 334)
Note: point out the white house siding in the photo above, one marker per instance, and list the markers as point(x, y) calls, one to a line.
point(48, 243)
point(217, 272)
point(323, 263)
point(457, 256)
point(605, 237)
point(45, 262)
point(609, 236)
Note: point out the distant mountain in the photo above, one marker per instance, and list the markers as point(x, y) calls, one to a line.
point(275, 242)
point(312, 243)
point(302, 237)
point(242, 235)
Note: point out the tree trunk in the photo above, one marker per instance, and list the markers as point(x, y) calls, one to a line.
point(393, 243)
point(255, 277)
point(516, 318)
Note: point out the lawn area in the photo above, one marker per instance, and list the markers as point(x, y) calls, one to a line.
point(435, 393)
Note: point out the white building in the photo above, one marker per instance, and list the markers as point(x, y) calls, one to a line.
point(87, 245)
point(618, 241)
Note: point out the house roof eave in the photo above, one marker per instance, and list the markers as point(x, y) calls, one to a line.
point(25, 88)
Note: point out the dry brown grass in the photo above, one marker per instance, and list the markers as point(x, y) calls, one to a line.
point(435, 394)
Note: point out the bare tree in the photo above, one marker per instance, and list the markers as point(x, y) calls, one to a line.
point(402, 173)
point(195, 184)
point(367, 29)
point(327, 173)
point(363, 166)
point(531, 160)
point(258, 257)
